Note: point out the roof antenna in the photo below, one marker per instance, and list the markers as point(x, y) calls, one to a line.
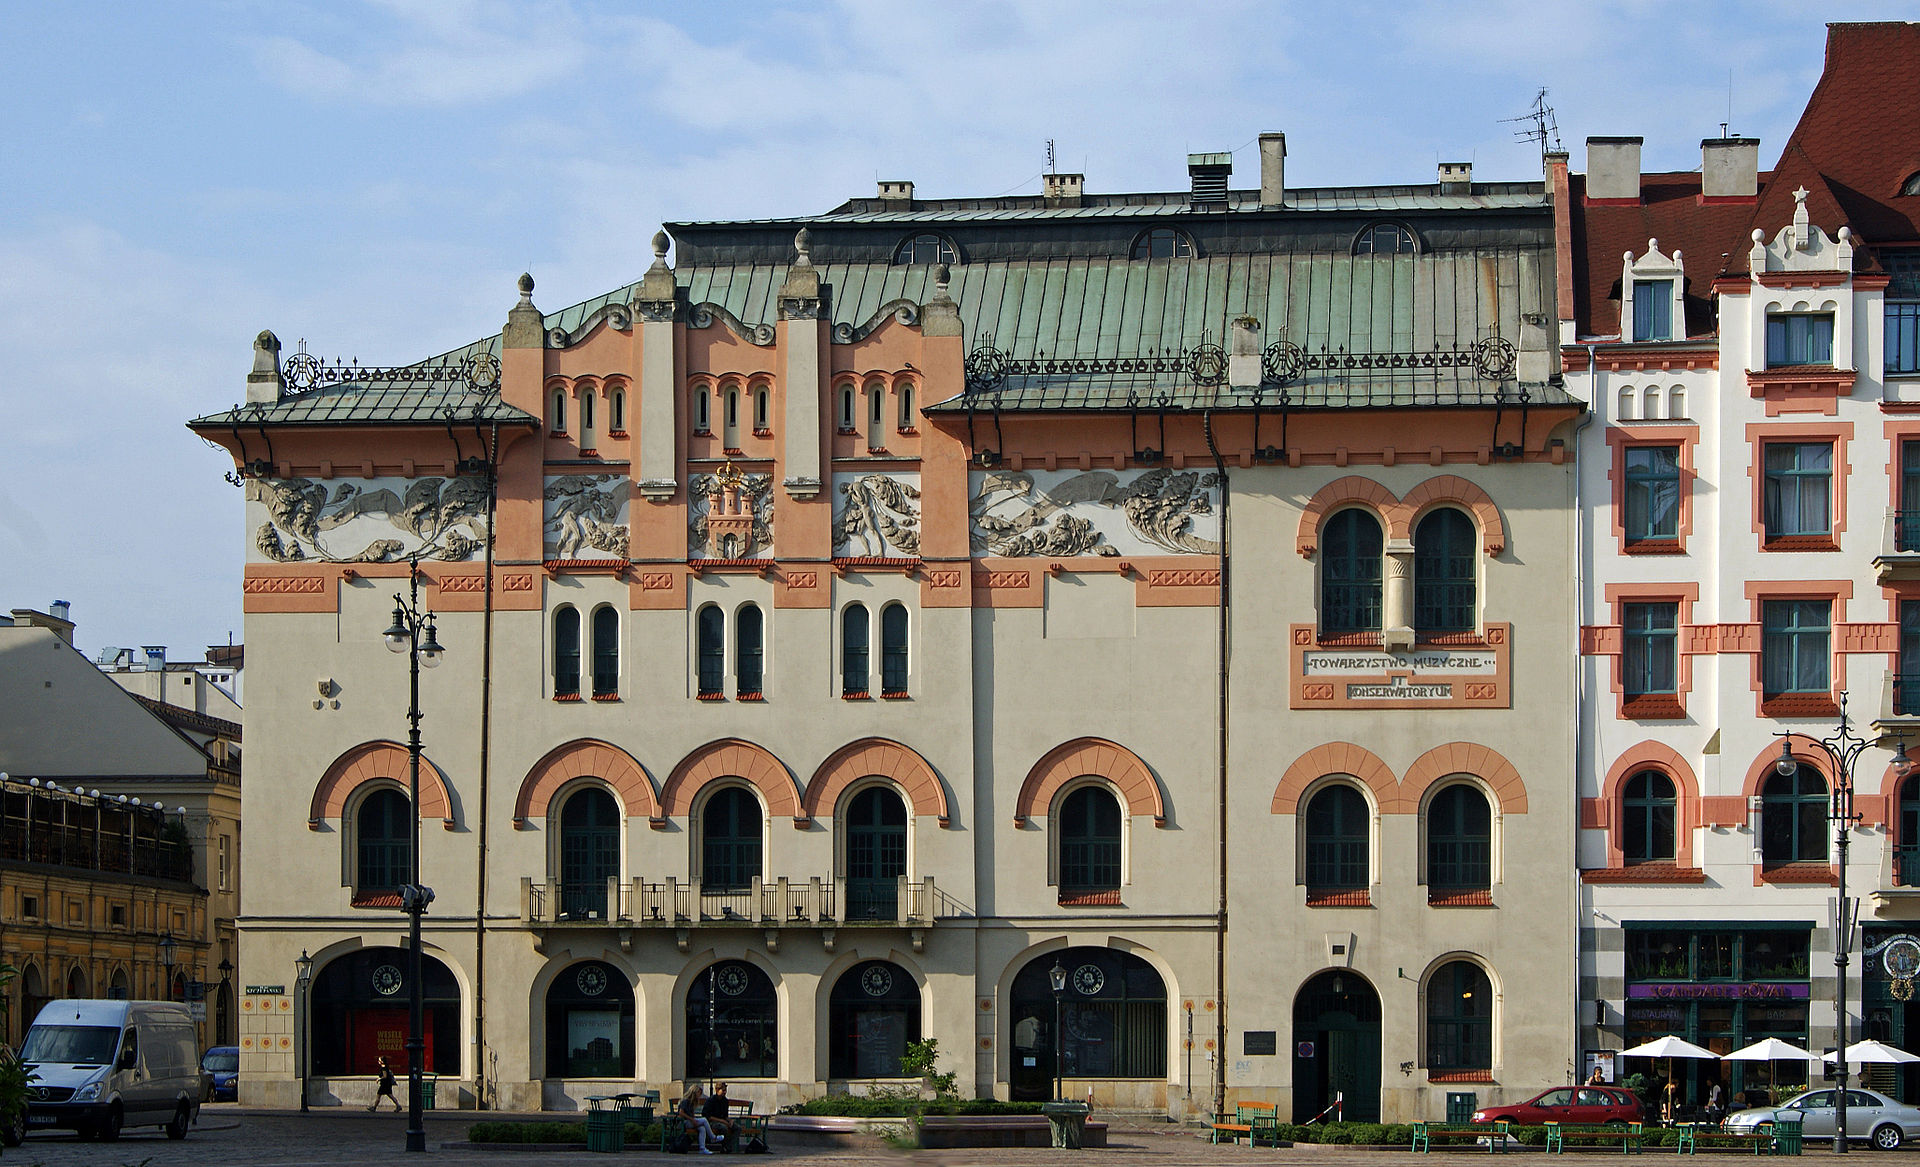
point(1541, 127)
point(1053, 162)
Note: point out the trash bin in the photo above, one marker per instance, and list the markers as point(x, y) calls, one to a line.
point(1460, 1107)
point(638, 1112)
point(426, 1092)
point(1786, 1136)
point(1069, 1123)
point(606, 1126)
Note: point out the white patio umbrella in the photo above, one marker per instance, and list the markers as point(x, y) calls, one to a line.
point(1770, 1051)
point(1874, 1051)
point(1669, 1047)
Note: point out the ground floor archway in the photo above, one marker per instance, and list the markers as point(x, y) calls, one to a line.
point(1111, 1020)
point(1336, 1047)
point(590, 1022)
point(359, 1014)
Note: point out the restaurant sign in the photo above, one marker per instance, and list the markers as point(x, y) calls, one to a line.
point(1752, 991)
point(1474, 675)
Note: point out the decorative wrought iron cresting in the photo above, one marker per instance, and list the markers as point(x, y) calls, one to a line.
point(303, 371)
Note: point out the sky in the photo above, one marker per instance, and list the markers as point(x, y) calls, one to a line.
point(371, 176)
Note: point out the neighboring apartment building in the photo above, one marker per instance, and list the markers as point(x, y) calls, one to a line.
point(1747, 341)
point(211, 686)
point(838, 627)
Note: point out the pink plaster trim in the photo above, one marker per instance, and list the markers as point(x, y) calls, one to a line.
point(730, 758)
point(1338, 758)
point(875, 757)
point(1509, 791)
point(586, 757)
point(1686, 788)
point(1090, 755)
point(370, 762)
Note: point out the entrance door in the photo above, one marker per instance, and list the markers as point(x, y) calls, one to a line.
point(1336, 1054)
point(589, 853)
point(876, 854)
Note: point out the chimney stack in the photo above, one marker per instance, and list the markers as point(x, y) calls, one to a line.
point(1613, 169)
point(896, 190)
point(1730, 168)
point(1063, 190)
point(1273, 169)
point(1209, 173)
point(55, 621)
point(1456, 178)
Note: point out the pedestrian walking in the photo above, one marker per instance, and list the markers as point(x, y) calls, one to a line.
point(386, 1088)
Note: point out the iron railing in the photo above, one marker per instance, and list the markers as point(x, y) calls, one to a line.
point(1906, 694)
point(1906, 530)
point(1906, 865)
point(781, 902)
point(70, 829)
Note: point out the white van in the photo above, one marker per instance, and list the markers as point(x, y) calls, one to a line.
point(105, 1065)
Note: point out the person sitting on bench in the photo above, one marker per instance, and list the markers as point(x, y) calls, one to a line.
point(691, 1113)
point(716, 1114)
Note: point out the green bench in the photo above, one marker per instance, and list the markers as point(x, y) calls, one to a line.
point(1631, 1136)
point(1425, 1134)
point(1251, 1120)
point(744, 1122)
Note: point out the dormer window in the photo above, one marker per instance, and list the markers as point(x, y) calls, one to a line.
point(1385, 239)
point(1911, 186)
point(1799, 338)
point(1163, 243)
point(1653, 309)
point(919, 249)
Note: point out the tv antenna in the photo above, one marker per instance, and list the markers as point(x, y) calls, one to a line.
point(1053, 163)
point(1540, 126)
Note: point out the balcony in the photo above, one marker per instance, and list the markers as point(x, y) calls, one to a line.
point(821, 905)
point(1899, 709)
point(1899, 556)
point(1899, 881)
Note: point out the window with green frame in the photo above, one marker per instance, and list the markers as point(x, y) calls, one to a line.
point(1799, 338)
point(1351, 548)
point(1338, 830)
point(1653, 309)
point(1793, 818)
point(1649, 812)
point(566, 652)
point(1089, 841)
point(1794, 653)
point(1459, 1018)
point(1459, 840)
point(1707, 954)
point(1649, 649)
point(1797, 495)
point(730, 841)
point(383, 842)
point(1652, 512)
point(1443, 572)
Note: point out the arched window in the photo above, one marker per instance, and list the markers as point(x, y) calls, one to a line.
point(566, 652)
point(876, 824)
point(1350, 564)
point(1443, 572)
point(589, 853)
point(1113, 1020)
point(1089, 842)
point(606, 652)
point(1338, 829)
point(617, 410)
point(1677, 402)
point(702, 412)
point(586, 410)
point(710, 631)
point(731, 439)
point(1650, 403)
point(876, 418)
point(1385, 239)
point(1459, 1018)
point(846, 409)
point(1907, 856)
point(1793, 818)
point(1163, 243)
point(1626, 404)
point(893, 650)
point(382, 843)
point(559, 411)
point(729, 841)
point(761, 418)
point(909, 420)
point(1648, 818)
point(748, 654)
point(924, 249)
point(119, 988)
point(358, 1013)
point(853, 650)
point(872, 1015)
point(590, 1022)
point(733, 1023)
point(1459, 841)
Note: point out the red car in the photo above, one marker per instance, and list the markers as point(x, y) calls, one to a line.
point(1569, 1104)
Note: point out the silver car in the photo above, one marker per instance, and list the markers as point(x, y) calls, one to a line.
point(1870, 1117)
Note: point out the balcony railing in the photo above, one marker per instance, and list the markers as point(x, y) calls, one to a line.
point(1906, 694)
point(1906, 531)
point(775, 903)
point(1906, 866)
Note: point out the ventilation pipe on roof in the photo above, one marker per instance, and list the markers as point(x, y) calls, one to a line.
point(1063, 190)
point(1273, 169)
point(1456, 178)
point(1730, 168)
point(896, 190)
point(1613, 168)
point(1209, 173)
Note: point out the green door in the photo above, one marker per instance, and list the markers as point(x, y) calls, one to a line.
point(589, 853)
point(876, 854)
point(1336, 1054)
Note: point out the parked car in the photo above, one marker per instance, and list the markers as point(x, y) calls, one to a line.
point(1871, 1117)
point(223, 1063)
point(1568, 1104)
point(105, 1065)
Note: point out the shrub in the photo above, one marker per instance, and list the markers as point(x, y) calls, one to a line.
point(554, 1132)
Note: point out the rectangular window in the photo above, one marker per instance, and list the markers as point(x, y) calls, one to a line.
point(1906, 530)
point(225, 872)
point(1800, 338)
point(1794, 652)
point(1653, 493)
point(1797, 493)
point(30, 907)
point(1650, 651)
point(1903, 337)
point(1653, 309)
point(117, 915)
point(1906, 682)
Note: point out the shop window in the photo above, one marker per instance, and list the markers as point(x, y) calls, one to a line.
point(382, 843)
point(710, 632)
point(1459, 1019)
point(1443, 572)
point(358, 1015)
point(1351, 549)
point(1794, 653)
point(872, 1015)
point(893, 651)
point(1649, 656)
point(1338, 830)
point(1089, 825)
point(1799, 338)
point(1653, 494)
point(853, 651)
point(1648, 813)
point(1459, 841)
point(606, 652)
point(1163, 243)
point(733, 1023)
point(1113, 1018)
point(1798, 490)
point(1793, 818)
point(730, 842)
point(589, 853)
point(566, 653)
point(748, 652)
point(590, 1022)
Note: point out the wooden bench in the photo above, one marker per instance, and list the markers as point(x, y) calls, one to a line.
point(1251, 1120)
point(1631, 1136)
point(1426, 1134)
point(1694, 1135)
point(743, 1124)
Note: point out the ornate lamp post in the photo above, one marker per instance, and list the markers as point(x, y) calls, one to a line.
point(303, 984)
point(1058, 976)
point(167, 955)
point(1843, 749)
point(222, 1006)
point(412, 632)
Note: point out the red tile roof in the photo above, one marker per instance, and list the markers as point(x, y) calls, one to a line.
point(1670, 210)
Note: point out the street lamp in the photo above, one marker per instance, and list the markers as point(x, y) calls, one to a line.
point(412, 632)
point(1058, 975)
point(166, 960)
point(303, 984)
point(1843, 749)
point(223, 1006)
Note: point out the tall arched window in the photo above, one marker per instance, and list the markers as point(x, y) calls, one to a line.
point(590, 1022)
point(710, 629)
point(606, 651)
point(872, 1015)
point(893, 650)
point(909, 420)
point(876, 824)
point(1163, 243)
point(1385, 239)
point(733, 1023)
point(382, 843)
point(1793, 818)
point(702, 411)
point(1648, 818)
point(1112, 1020)
point(731, 419)
point(586, 411)
point(1338, 831)
point(762, 418)
point(924, 249)
point(748, 650)
point(1459, 840)
point(1089, 842)
point(729, 842)
point(853, 651)
point(1907, 857)
point(846, 409)
point(1443, 575)
point(1459, 1018)
point(617, 410)
point(359, 1014)
point(876, 417)
point(589, 853)
point(1350, 562)
point(559, 411)
point(566, 652)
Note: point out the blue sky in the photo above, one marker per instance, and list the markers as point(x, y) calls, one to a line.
point(373, 176)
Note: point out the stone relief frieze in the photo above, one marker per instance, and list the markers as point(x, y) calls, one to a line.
point(585, 516)
point(366, 520)
point(730, 515)
point(876, 515)
point(1095, 512)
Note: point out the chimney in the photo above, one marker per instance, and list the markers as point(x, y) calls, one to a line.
point(1063, 190)
point(896, 190)
point(1456, 178)
point(156, 657)
point(1613, 168)
point(1273, 169)
point(1208, 173)
point(55, 621)
point(1730, 168)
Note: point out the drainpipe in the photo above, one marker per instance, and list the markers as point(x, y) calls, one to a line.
point(1220, 793)
point(482, 1092)
point(1583, 613)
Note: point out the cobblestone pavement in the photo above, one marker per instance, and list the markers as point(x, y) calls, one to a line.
point(231, 1137)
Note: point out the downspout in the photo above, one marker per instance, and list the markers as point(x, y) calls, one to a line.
point(1581, 698)
point(482, 1081)
point(1220, 781)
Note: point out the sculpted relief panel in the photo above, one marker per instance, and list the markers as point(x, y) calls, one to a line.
point(1019, 513)
point(366, 520)
point(730, 515)
point(876, 516)
point(585, 516)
